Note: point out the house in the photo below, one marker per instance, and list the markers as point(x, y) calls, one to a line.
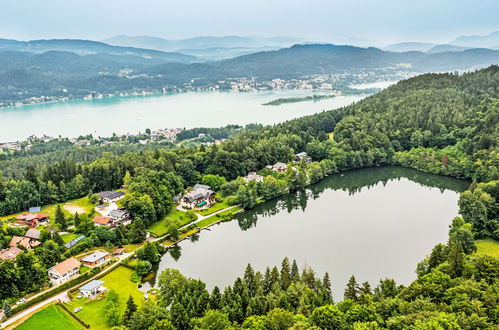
point(252, 176)
point(119, 252)
point(100, 220)
point(201, 196)
point(95, 258)
point(92, 288)
point(64, 271)
point(10, 254)
point(111, 196)
point(32, 220)
point(33, 234)
point(302, 155)
point(27, 242)
point(120, 217)
point(279, 167)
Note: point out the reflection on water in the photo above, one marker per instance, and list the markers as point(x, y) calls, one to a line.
point(373, 223)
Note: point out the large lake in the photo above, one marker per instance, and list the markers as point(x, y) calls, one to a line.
point(373, 223)
point(121, 115)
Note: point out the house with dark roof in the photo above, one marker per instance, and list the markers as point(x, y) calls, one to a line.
point(92, 288)
point(64, 271)
point(120, 217)
point(302, 156)
point(200, 196)
point(111, 196)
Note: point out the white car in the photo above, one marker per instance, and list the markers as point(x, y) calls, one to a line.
point(77, 309)
point(22, 301)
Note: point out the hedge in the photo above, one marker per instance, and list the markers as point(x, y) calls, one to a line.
point(76, 317)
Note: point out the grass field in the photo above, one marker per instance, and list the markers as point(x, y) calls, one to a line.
point(214, 208)
point(217, 217)
point(487, 246)
point(51, 318)
point(69, 237)
point(93, 312)
point(82, 205)
point(160, 228)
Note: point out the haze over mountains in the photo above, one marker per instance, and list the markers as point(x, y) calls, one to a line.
point(461, 43)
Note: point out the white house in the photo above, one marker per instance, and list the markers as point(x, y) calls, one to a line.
point(64, 271)
point(120, 217)
point(201, 196)
point(252, 176)
point(92, 288)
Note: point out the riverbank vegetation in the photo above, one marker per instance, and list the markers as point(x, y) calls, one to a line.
point(314, 98)
point(445, 124)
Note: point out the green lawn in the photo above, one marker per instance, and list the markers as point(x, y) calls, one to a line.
point(69, 237)
point(487, 246)
point(81, 205)
point(214, 208)
point(51, 318)
point(225, 215)
point(93, 312)
point(161, 227)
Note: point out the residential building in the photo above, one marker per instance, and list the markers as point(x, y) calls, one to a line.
point(10, 254)
point(252, 176)
point(302, 155)
point(95, 258)
point(279, 167)
point(92, 288)
point(64, 271)
point(100, 220)
point(201, 196)
point(111, 196)
point(119, 252)
point(120, 217)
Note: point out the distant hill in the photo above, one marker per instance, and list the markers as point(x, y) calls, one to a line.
point(201, 42)
point(447, 48)
point(409, 46)
point(206, 48)
point(478, 41)
point(88, 47)
point(59, 73)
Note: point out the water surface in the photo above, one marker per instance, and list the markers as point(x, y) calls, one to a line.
point(373, 223)
point(121, 115)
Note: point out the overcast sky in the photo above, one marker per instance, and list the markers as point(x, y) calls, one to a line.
point(386, 21)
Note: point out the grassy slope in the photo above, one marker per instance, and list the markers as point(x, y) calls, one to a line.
point(217, 217)
point(488, 246)
point(51, 318)
point(214, 208)
point(161, 227)
point(118, 280)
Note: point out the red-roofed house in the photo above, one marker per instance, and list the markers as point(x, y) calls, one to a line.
point(64, 271)
point(102, 221)
point(10, 254)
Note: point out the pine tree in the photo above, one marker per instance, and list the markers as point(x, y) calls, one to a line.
point(295, 272)
point(76, 220)
point(215, 298)
point(267, 281)
point(60, 219)
point(326, 284)
point(455, 259)
point(179, 317)
point(285, 274)
point(274, 277)
point(249, 280)
point(366, 288)
point(351, 290)
point(131, 307)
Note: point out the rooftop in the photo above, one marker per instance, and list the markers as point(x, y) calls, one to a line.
point(101, 219)
point(111, 194)
point(66, 265)
point(95, 256)
point(33, 233)
point(92, 285)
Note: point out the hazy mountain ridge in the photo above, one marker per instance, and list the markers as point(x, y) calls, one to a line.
point(88, 47)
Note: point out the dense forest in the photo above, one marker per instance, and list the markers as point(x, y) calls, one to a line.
point(440, 123)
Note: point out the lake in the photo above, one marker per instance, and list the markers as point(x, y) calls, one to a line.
point(121, 115)
point(372, 223)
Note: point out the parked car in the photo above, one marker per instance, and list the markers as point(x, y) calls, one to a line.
point(21, 301)
point(77, 309)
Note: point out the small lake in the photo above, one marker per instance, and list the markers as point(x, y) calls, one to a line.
point(372, 223)
point(121, 115)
